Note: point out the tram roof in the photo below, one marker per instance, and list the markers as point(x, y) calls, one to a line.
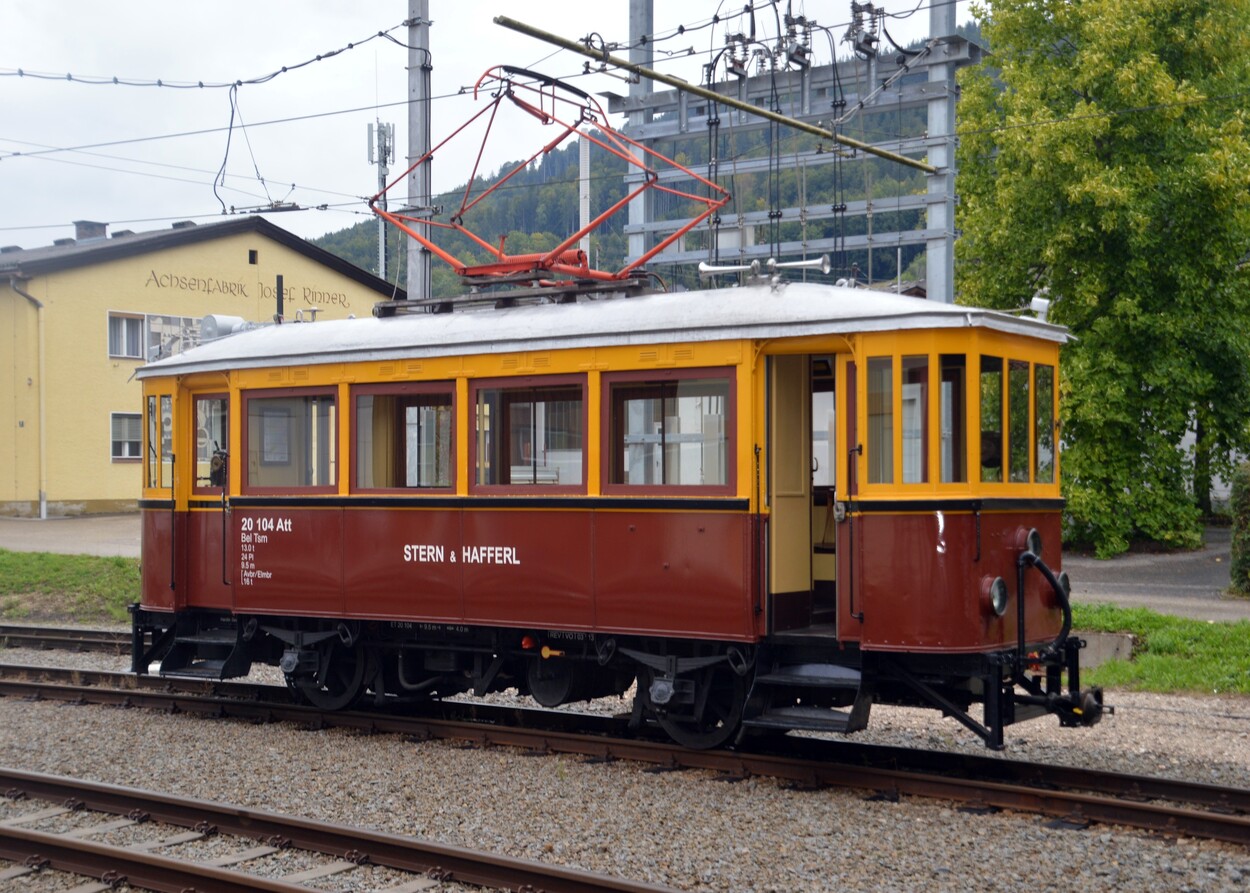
point(752, 311)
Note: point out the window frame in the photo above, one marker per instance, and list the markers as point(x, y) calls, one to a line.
point(520, 383)
point(403, 389)
point(138, 419)
point(198, 488)
point(139, 320)
point(1049, 440)
point(607, 433)
point(983, 407)
point(883, 438)
point(246, 485)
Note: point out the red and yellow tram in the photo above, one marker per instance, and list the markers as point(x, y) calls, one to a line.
point(772, 506)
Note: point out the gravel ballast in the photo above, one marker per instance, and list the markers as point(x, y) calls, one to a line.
point(688, 830)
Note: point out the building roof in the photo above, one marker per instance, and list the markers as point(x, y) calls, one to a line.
point(70, 253)
point(755, 311)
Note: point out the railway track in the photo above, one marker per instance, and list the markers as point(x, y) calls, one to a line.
point(48, 638)
point(154, 863)
point(1072, 796)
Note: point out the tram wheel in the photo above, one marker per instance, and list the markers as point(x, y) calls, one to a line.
point(340, 677)
point(715, 714)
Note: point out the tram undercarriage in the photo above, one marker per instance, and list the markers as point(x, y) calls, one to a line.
point(701, 694)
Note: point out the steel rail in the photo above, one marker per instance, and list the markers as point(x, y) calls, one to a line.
point(64, 638)
point(362, 846)
point(132, 682)
point(599, 726)
point(118, 865)
point(1099, 797)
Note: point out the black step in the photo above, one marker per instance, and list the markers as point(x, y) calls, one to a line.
point(811, 719)
point(209, 637)
point(812, 676)
point(202, 669)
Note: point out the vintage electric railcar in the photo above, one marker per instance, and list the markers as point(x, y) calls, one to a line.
point(770, 505)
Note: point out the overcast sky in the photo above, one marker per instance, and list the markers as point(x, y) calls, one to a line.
point(141, 157)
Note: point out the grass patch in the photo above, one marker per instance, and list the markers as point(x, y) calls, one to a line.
point(78, 588)
point(1174, 654)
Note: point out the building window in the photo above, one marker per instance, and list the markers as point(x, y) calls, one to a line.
point(252, 256)
point(169, 335)
point(126, 336)
point(152, 336)
point(127, 431)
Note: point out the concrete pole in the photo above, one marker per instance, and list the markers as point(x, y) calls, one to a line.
point(384, 150)
point(940, 217)
point(583, 190)
point(641, 24)
point(419, 67)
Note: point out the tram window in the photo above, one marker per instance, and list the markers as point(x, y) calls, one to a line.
point(669, 433)
point(824, 435)
point(1018, 435)
point(991, 419)
point(211, 440)
point(880, 420)
point(160, 442)
point(403, 439)
point(915, 421)
point(153, 455)
point(953, 417)
point(167, 440)
point(530, 436)
point(1044, 413)
point(291, 441)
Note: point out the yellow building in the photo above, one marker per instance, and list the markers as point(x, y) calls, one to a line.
point(78, 317)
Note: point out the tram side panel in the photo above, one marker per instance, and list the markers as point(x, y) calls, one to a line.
point(404, 564)
point(157, 570)
point(289, 562)
point(672, 573)
point(210, 560)
point(528, 568)
point(920, 579)
point(675, 573)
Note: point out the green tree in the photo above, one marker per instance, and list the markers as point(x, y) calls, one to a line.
point(1104, 155)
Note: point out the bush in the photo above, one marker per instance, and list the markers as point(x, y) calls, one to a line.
point(1239, 508)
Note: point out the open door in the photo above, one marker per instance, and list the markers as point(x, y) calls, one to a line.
point(849, 536)
point(209, 541)
point(789, 493)
point(825, 514)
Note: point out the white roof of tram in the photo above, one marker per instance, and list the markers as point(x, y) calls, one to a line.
point(751, 311)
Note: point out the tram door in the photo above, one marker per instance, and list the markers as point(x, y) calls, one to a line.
point(208, 542)
point(824, 497)
point(789, 493)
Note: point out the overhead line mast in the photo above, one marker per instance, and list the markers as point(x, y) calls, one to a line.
point(710, 95)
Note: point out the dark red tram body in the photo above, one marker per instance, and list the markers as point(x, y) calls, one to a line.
point(770, 506)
